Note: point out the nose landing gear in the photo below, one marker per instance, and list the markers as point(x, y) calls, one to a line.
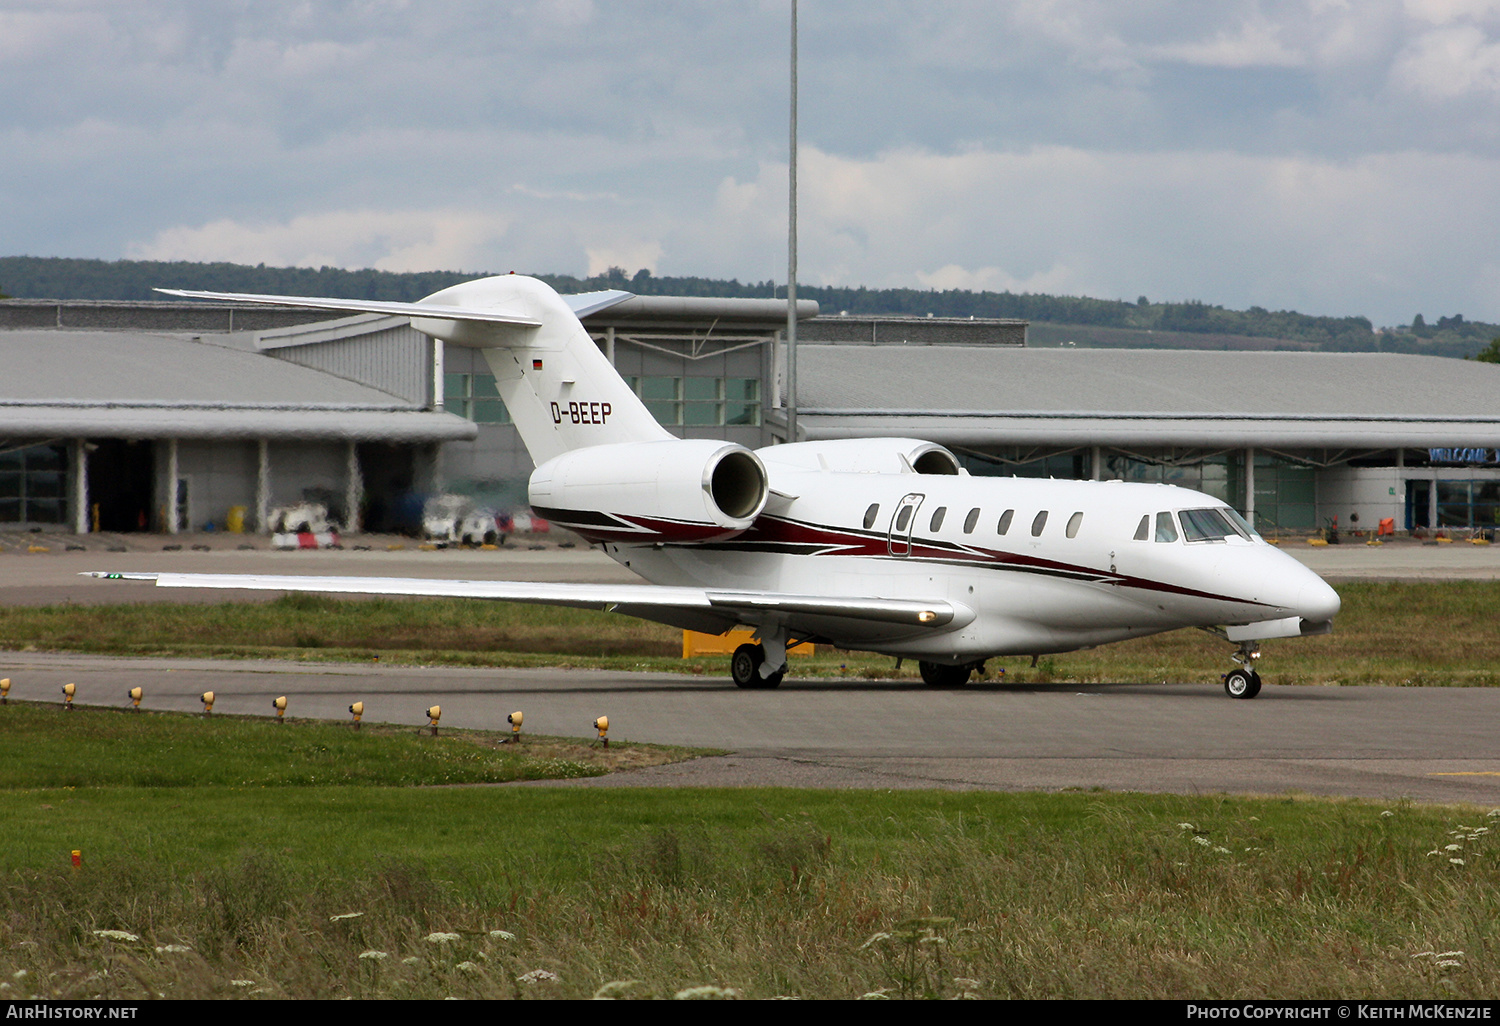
point(1243, 682)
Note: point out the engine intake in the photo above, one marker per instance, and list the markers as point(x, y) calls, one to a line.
point(677, 490)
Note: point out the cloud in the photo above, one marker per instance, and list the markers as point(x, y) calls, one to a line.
point(414, 240)
point(1255, 43)
point(1449, 63)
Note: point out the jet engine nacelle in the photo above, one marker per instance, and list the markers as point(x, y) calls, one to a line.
point(866, 456)
point(676, 490)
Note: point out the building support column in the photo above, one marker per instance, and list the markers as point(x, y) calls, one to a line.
point(438, 375)
point(355, 491)
point(262, 486)
point(439, 482)
point(1097, 458)
point(174, 526)
point(1250, 486)
point(609, 344)
point(80, 489)
point(1432, 503)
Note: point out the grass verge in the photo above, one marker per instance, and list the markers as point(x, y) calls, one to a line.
point(255, 878)
point(1400, 634)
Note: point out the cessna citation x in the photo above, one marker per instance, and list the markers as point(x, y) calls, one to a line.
point(880, 544)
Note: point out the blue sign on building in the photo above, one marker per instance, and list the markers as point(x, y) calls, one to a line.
point(1462, 455)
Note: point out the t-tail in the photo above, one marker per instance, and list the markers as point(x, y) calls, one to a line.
point(560, 389)
point(605, 467)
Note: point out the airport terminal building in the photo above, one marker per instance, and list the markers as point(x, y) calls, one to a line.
point(169, 416)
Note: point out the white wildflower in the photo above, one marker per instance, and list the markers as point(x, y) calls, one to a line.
point(1457, 862)
point(1223, 850)
point(346, 915)
point(875, 995)
point(504, 935)
point(1453, 847)
point(1200, 839)
point(706, 993)
point(1425, 954)
point(875, 939)
point(242, 983)
point(467, 967)
point(1450, 954)
point(615, 989)
point(538, 976)
point(116, 935)
point(441, 938)
point(1493, 813)
point(1448, 963)
point(1435, 851)
point(1387, 812)
point(173, 949)
point(374, 956)
point(19, 974)
point(412, 960)
point(1186, 826)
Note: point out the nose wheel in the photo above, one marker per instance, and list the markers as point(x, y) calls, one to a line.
point(1243, 682)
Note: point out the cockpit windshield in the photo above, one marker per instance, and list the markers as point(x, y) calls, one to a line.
point(1214, 524)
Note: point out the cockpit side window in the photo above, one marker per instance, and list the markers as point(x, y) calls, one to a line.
point(1166, 530)
point(1143, 529)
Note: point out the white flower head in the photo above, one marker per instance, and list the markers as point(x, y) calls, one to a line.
point(467, 967)
point(1186, 826)
point(538, 976)
point(373, 955)
point(441, 938)
point(1387, 812)
point(242, 983)
point(504, 935)
point(173, 949)
point(706, 993)
point(116, 935)
point(346, 915)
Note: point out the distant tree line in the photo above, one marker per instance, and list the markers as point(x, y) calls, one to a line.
point(66, 278)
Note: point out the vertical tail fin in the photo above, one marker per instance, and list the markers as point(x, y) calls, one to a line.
point(560, 390)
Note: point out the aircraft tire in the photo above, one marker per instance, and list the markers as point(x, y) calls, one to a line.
point(1242, 683)
point(744, 666)
point(939, 675)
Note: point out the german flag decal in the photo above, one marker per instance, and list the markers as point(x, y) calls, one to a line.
point(536, 364)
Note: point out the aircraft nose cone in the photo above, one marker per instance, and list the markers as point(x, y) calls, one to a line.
point(1317, 602)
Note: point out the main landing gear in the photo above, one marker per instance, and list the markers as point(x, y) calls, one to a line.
point(1243, 682)
point(940, 675)
point(745, 664)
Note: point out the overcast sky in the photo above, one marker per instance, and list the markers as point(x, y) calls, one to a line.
point(1327, 156)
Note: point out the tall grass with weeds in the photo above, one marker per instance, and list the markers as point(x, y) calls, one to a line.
point(764, 893)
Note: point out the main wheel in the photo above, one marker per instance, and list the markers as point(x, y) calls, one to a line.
point(1242, 683)
point(940, 675)
point(744, 666)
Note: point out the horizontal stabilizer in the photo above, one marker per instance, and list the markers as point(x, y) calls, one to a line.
point(453, 313)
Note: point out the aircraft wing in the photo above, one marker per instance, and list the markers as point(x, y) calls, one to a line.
point(581, 304)
point(850, 618)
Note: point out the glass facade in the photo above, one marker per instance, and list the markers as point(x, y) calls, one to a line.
point(474, 396)
point(1468, 504)
point(700, 402)
point(33, 485)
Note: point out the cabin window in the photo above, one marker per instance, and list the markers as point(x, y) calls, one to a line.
point(971, 520)
point(1005, 519)
point(1166, 530)
point(1143, 529)
point(1039, 523)
point(871, 514)
point(937, 518)
point(904, 517)
point(1074, 522)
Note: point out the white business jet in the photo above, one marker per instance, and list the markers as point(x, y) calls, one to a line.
point(880, 544)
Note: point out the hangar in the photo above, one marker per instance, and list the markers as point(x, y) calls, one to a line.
point(166, 416)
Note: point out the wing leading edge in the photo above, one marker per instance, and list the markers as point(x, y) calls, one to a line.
point(711, 610)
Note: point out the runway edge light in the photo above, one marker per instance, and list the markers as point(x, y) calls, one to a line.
point(69, 690)
point(602, 726)
point(279, 704)
point(136, 694)
point(207, 698)
point(358, 710)
point(4, 691)
point(433, 715)
point(514, 719)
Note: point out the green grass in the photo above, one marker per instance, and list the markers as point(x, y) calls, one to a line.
point(1400, 634)
point(257, 870)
